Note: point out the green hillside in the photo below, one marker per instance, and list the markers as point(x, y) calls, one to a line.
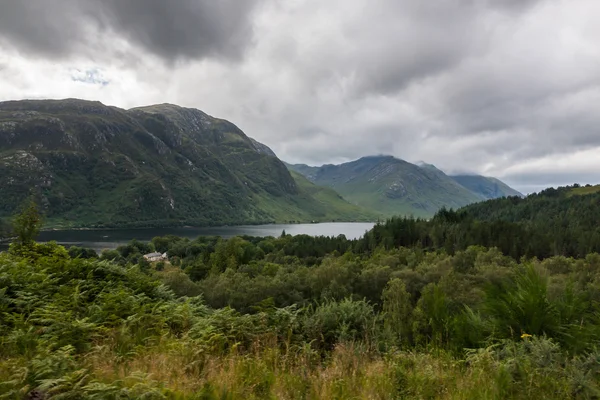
point(564, 206)
point(93, 165)
point(563, 221)
point(390, 186)
point(583, 190)
point(330, 205)
point(554, 222)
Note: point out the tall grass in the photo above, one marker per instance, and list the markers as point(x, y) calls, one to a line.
point(177, 368)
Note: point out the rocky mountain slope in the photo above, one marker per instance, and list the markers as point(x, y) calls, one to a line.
point(485, 186)
point(101, 166)
point(393, 186)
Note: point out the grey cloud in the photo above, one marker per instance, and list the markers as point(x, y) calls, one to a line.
point(536, 181)
point(91, 76)
point(481, 86)
point(408, 41)
point(173, 30)
point(513, 5)
point(39, 26)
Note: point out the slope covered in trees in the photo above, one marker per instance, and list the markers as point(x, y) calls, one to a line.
point(553, 222)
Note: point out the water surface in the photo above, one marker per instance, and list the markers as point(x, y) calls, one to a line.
point(110, 239)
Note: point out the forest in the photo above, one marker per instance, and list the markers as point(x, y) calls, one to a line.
point(498, 300)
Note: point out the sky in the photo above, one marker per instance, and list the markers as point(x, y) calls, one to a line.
point(504, 88)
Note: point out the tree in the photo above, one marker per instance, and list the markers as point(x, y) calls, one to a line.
point(27, 224)
point(398, 310)
point(5, 228)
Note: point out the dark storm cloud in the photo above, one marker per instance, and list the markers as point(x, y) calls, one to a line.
point(181, 29)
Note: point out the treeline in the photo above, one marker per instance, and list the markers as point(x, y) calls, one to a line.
point(249, 273)
point(551, 223)
point(564, 221)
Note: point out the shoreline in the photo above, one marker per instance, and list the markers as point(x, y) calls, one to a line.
point(196, 226)
point(101, 239)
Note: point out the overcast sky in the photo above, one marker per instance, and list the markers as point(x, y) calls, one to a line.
point(506, 88)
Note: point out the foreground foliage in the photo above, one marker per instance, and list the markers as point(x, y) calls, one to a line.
point(392, 324)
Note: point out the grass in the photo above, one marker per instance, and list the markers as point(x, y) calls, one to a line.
point(180, 370)
point(583, 190)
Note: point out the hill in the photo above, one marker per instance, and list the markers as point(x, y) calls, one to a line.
point(391, 186)
point(99, 166)
point(565, 206)
point(583, 190)
point(329, 199)
point(554, 222)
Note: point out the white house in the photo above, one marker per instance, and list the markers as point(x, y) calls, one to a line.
point(152, 257)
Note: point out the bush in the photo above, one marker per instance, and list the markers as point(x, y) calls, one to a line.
point(342, 321)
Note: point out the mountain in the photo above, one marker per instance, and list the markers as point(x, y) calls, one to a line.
point(393, 186)
point(99, 166)
point(309, 172)
point(328, 200)
point(486, 187)
point(390, 185)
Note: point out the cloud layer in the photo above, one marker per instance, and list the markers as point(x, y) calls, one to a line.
point(505, 88)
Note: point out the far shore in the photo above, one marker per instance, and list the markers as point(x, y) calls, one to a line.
point(85, 228)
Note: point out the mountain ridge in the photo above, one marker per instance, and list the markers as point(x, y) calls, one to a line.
point(395, 186)
point(487, 187)
point(94, 165)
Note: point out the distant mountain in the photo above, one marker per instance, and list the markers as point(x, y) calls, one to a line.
point(393, 186)
point(390, 185)
point(486, 187)
point(331, 206)
point(101, 166)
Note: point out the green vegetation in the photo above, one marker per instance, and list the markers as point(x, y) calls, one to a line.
point(27, 224)
point(163, 165)
point(582, 190)
point(5, 228)
point(552, 222)
point(326, 204)
point(414, 309)
point(395, 187)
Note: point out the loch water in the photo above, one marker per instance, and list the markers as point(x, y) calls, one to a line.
point(110, 239)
